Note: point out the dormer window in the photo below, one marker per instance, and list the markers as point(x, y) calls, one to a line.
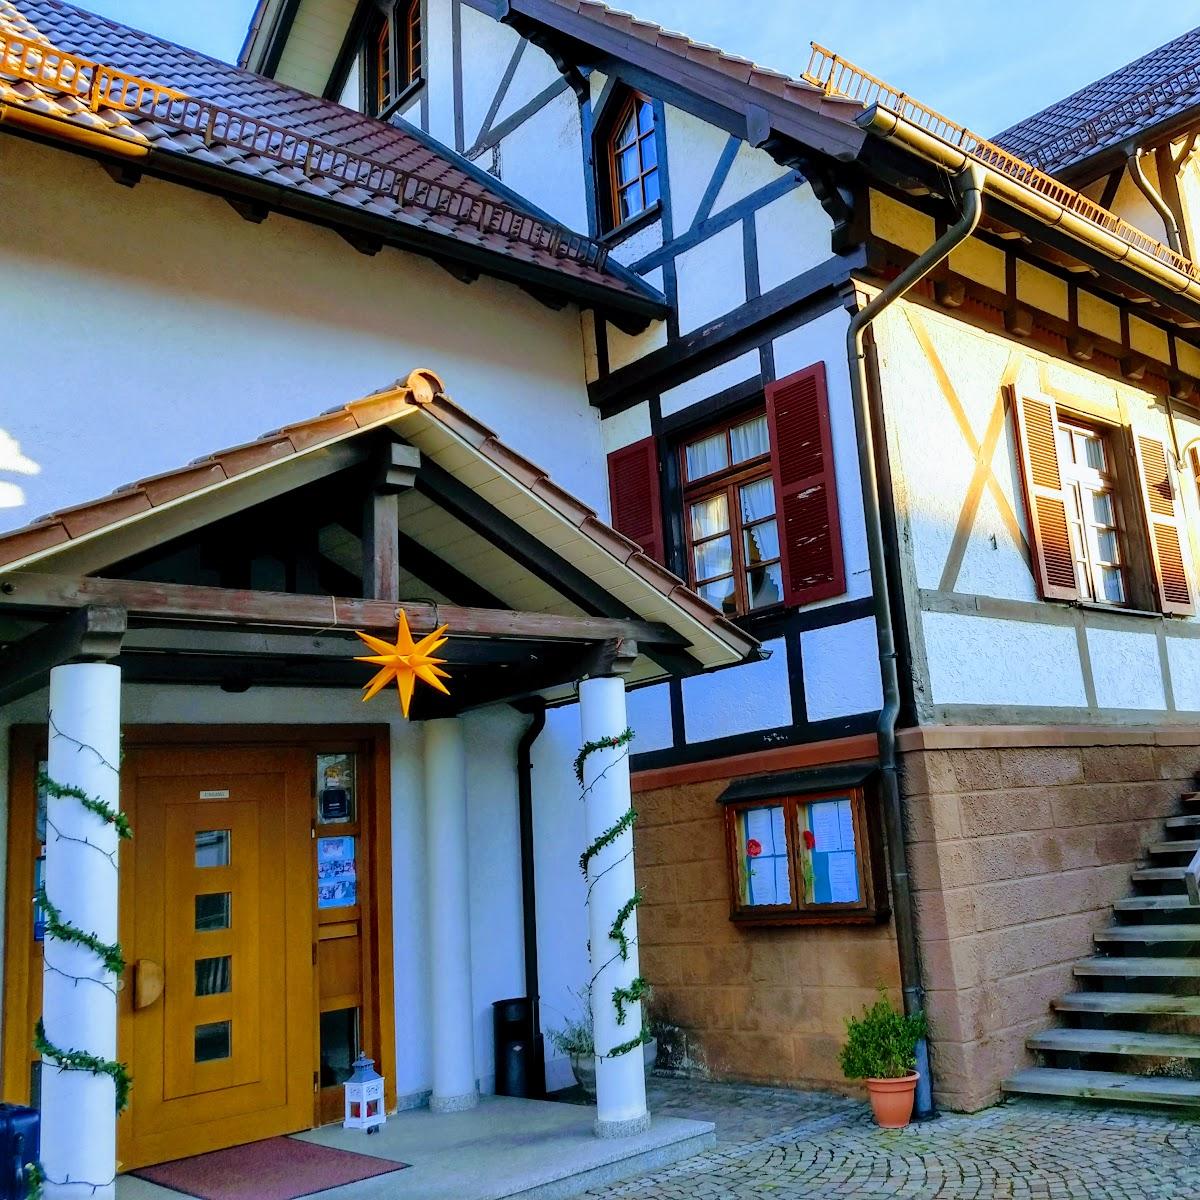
point(394, 56)
point(632, 156)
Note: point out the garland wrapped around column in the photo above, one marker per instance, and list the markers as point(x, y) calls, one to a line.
point(638, 987)
point(110, 955)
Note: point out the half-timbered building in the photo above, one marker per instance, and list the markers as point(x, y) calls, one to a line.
point(895, 430)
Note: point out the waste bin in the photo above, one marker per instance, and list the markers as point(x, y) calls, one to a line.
point(20, 1138)
point(512, 1024)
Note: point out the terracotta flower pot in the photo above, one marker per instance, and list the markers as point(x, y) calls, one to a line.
point(892, 1100)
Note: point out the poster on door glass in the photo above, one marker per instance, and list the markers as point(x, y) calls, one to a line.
point(337, 874)
point(335, 789)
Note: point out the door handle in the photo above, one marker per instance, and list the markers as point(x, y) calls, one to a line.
point(147, 983)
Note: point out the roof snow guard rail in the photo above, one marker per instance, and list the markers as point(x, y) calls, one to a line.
point(100, 86)
point(837, 77)
point(1125, 112)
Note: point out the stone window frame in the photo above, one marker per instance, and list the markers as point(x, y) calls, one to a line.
point(795, 790)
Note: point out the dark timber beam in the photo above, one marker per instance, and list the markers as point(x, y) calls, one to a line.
point(396, 471)
point(90, 634)
point(190, 603)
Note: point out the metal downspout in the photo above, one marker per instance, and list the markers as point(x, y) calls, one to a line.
point(537, 1066)
point(1134, 160)
point(968, 187)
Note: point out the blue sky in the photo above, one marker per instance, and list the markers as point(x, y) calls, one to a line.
point(985, 65)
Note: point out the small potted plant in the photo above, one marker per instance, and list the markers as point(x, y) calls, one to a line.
point(575, 1040)
point(881, 1049)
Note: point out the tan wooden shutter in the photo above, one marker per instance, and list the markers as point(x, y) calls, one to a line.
point(806, 506)
point(635, 496)
point(1035, 419)
point(1164, 521)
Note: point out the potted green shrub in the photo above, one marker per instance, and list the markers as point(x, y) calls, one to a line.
point(574, 1040)
point(881, 1049)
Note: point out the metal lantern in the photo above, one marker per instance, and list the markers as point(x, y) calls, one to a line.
point(364, 1097)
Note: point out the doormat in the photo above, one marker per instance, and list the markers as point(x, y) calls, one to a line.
point(280, 1168)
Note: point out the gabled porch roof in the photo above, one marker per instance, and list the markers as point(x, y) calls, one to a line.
point(529, 578)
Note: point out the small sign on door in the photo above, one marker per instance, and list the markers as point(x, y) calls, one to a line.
point(215, 794)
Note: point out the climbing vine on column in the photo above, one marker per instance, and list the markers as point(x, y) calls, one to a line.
point(60, 928)
point(622, 997)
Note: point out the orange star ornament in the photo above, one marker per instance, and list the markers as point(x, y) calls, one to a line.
point(405, 662)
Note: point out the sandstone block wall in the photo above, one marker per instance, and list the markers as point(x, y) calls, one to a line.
point(763, 1004)
point(1020, 840)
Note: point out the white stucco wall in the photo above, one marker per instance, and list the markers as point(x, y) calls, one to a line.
point(165, 327)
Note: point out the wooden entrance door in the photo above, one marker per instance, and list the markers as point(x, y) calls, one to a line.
point(218, 904)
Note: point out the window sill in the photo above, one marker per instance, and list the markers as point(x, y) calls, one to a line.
point(810, 918)
point(401, 101)
point(614, 237)
point(1116, 609)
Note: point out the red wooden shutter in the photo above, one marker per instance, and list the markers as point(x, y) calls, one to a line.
point(635, 497)
point(1165, 525)
point(1035, 419)
point(806, 507)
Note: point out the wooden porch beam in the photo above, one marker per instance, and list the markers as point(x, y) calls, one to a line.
point(192, 604)
point(89, 634)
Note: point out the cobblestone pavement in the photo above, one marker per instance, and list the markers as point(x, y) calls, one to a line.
point(793, 1145)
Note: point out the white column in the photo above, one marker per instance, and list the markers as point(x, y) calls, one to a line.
point(452, 1014)
point(79, 1121)
point(620, 1082)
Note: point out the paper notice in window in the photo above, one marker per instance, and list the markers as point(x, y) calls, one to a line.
point(843, 877)
point(823, 821)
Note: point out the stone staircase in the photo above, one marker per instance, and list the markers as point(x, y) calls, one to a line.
point(1130, 1034)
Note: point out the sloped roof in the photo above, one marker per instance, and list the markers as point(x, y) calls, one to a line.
point(418, 410)
point(1125, 104)
point(249, 126)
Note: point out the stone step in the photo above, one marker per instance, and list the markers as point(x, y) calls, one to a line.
point(1150, 933)
point(1159, 875)
point(1104, 1085)
point(1117, 1041)
point(1140, 1003)
point(1135, 968)
point(1158, 904)
point(1191, 822)
point(1181, 846)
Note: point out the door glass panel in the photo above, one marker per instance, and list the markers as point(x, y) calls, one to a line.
point(214, 976)
point(337, 872)
point(212, 1041)
point(339, 1045)
point(213, 911)
point(212, 848)
point(335, 789)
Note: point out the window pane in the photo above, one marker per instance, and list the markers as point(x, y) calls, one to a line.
point(1114, 589)
point(627, 165)
point(1093, 452)
point(212, 848)
point(761, 543)
point(627, 134)
point(706, 456)
point(650, 183)
point(1106, 543)
point(649, 152)
point(720, 594)
point(214, 976)
point(337, 872)
point(713, 558)
point(213, 911)
point(339, 1045)
point(758, 500)
point(750, 440)
point(335, 788)
point(762, 848)
point(631, 201)
point(645, 116)
point(710, 516)
point(832, 858)
point(765, 586)
point(212, 1041)
point(1102, 508)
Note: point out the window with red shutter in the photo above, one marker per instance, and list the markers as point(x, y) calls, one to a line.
point(805, 487)
point(1164, 521)
point(635, 496)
